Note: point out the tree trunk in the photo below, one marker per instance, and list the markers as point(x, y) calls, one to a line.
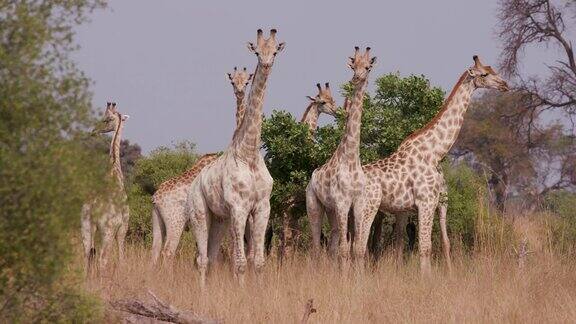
point(288, 236)
point(500, 189)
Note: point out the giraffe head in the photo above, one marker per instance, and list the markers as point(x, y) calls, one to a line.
point(266, 49)
point(239, 80)
point(324, 100)
point(483, 76)
point(110, 120)
point(361, 64)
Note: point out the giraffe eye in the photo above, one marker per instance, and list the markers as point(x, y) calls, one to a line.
point(484, 75)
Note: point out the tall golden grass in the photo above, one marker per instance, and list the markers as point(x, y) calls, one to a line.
point(485, 286)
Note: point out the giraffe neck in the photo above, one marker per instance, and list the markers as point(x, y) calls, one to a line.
point(349, 147)
point(116, 170)
point(438, 136)
point(246, 143)
point(240, 109)
point(310, 117)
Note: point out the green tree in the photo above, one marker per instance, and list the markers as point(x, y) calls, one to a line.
point(499, 140)
point(399, 106)
point(45, 171)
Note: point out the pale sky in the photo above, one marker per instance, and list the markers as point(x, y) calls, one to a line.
point(165, 62)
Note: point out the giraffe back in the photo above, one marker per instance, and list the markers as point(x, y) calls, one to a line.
point(187, 177)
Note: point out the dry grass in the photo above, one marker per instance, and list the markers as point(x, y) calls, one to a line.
point(481, 289)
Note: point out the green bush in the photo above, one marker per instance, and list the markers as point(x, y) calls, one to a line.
point(465, 189)
point(46, 173)
point(563, 223)
point(149, 172)
point(400, 106)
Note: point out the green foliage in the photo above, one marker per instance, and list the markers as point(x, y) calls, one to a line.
point(148, 173)
point(563, 225)
point(45, 172)
point(466, 189)
point(290, 153)
point(399, 107)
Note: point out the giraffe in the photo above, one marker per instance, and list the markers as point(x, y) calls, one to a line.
point(107, 214)
point(410, 179)
point(168, 217)
point(237, 183)
point(323, 102)
point(335, 186)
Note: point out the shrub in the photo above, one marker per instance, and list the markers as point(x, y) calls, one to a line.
point(149, 172)
point(563, 223)
point(45, 174)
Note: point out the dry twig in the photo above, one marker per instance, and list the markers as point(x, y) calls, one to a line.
point(309, 310)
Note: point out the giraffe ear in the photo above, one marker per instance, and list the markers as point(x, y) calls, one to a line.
point(373, 60)
point(229, 76)
point(281, 47)
point(250, 76)
point(351, 63)
point(125, 117)
point(311, 99)
point(251, 47)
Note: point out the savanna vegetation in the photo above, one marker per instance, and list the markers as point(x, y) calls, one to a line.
point(511, 178)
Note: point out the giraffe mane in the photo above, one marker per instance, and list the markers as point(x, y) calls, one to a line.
point(306, 112)
point(186, 175)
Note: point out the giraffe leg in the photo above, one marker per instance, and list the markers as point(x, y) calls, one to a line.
point(260, 223)
point(174, 221)
point(121, 234)
point(87, 230)
point(341, 215)
point(216, 233)
point(442, 209)
point(399, 229)
point(334, 235)
point(199, 220)
point(158, 233)
point(425, 217)
point(248, 238)
point(364, 213)
point(107, 239)
point(238, 217)
point(315, 212)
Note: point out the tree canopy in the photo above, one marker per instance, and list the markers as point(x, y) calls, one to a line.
point(46, 172)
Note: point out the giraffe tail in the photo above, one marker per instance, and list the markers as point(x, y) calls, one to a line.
point(157, 225)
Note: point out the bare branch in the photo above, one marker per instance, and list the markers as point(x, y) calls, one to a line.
point(530, 22)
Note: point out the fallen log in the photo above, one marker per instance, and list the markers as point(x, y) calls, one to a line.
point(161, 311)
